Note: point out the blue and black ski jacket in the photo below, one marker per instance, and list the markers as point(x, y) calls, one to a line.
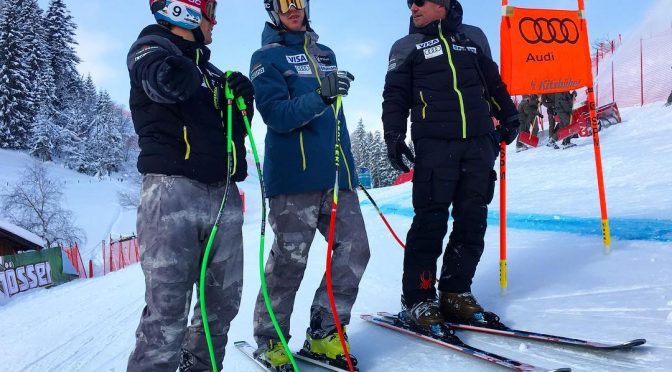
point(301, 136)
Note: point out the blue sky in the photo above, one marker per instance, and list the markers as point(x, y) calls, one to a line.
point(361, 33)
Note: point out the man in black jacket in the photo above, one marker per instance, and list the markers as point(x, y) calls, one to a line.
point(180, 117)
point(443, 73)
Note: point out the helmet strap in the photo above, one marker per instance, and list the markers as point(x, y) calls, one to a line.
point(198, 35)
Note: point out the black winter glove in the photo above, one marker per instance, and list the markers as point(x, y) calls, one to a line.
point(396, 150)
point(540, 115)
point(241, 86)
point(508, 130)
point(179, 77)
point(335, 84)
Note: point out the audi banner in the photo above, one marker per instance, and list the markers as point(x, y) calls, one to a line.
point(544, 51)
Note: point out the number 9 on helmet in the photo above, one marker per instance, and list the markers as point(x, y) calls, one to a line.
point(185, 14)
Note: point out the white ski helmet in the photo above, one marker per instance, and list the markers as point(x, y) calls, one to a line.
point(185, 14)
point(275, 7)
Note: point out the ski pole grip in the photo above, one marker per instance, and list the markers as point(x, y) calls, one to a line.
point(228, 93)
point(240, 101)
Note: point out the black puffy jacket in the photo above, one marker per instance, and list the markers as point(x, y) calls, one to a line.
point(444, 74)
point(180, 138)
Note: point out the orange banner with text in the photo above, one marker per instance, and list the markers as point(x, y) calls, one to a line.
point(544, 51)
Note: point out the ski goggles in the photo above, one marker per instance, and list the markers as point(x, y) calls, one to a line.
point(286, 5)
point(418, 3)
point(421, 3)
point(210, 10)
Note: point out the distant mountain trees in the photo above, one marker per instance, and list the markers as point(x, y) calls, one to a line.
point(370, 151)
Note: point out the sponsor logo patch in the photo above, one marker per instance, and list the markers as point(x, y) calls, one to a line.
point(258, 70)
point(325, 68)
point(299, 58)
point(433, 52)
point(303, 69)
point(392, 65)
point(427, 44)
point(460, 48)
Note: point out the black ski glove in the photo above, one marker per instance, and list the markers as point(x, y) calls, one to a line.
point(335, 84)
point(179, 77)
point(396, 150)
point(241, 87)
point(507, 131)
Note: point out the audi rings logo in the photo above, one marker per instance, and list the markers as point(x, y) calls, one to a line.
point(548, 31)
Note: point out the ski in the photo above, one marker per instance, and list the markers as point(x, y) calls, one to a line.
point(309, 357)
point(509, 332)
point(303, 355)
point(454, 343)
point(248, 350)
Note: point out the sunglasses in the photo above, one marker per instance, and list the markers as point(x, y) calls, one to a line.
point(418, 3)
point(285, 5)
point(210, 10)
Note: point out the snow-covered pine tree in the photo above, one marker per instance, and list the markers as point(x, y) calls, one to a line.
point(368, 154)
point(378, 158)
point(44, 137)
point(60, 39)
point(103, 149)
point(16, 105)
point(75, 122)
point(358, 138)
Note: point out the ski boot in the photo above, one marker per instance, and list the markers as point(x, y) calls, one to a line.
point(274, 357)
point(567, 143)
point(551, 143)
point(423, 316)
point(464, 309)
point(325, 346)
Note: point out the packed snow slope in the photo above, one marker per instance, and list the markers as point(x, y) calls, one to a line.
point(560, 280)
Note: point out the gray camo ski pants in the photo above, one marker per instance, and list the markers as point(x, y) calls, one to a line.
point(294, 219)
point(175, 217)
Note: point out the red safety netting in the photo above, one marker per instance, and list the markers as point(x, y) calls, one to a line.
point(117, 254)
point(634, 71)
point(75, 259)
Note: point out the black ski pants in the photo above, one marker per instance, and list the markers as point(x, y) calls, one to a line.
point(457, 173)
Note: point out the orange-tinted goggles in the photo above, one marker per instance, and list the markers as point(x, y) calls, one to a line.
point(285, 5)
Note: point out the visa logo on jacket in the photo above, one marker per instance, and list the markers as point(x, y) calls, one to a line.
point(299, 58)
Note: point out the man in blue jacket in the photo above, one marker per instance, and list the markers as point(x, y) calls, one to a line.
point(443, 73)
point(296, 82)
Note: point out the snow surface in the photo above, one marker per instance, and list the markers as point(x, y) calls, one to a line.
point(560, 280)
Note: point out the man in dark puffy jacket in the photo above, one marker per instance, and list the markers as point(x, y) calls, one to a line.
point(181, 126)
point(528, 111)
point(444, 74)
point(297, 82)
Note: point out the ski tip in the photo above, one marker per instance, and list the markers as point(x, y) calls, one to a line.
point(561, 370)
point(634, 343)
point(240, 343)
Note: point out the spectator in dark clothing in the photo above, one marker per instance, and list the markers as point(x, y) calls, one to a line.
point(528, 111)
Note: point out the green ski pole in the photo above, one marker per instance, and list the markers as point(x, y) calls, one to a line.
point(213, 233)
